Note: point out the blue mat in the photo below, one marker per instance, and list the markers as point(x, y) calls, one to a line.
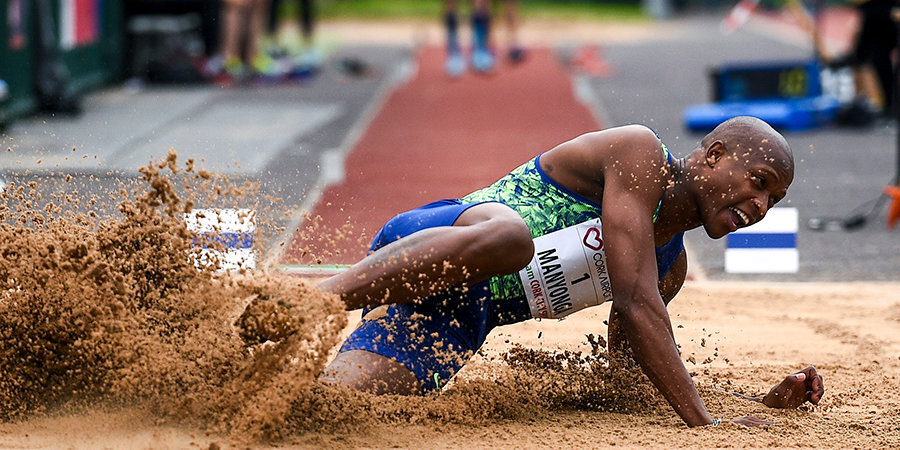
point(787, 114)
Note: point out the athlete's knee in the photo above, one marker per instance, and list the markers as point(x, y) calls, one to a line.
point(504, 244)
point(517, 245)
point(498, 241)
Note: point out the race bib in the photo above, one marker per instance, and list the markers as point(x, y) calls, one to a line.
point(568, 272)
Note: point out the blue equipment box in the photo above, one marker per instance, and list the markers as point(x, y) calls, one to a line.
point(788, 95)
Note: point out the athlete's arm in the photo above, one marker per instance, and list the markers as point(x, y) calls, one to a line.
point(628, 233)
point(621, 169)
point(669, 286)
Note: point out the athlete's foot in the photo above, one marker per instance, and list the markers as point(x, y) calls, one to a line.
point(455, 65)
point(264, 320)
point(482, 60)
point(306, 63)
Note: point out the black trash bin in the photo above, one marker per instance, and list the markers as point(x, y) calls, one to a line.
point(17, 96)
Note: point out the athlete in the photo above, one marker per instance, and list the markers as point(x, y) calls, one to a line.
point(440, 277)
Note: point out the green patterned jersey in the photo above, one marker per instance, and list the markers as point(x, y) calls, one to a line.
point(544, 205)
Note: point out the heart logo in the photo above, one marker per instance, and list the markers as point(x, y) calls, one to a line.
point(592, 239)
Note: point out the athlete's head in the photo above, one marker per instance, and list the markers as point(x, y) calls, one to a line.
point(745, 168)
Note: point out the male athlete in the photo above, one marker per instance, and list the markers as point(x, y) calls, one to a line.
point(597, 218)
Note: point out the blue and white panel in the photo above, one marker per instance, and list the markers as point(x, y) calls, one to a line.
point(768, 246)
point(232, 228)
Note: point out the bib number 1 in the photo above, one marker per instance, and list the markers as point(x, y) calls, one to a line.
point(568, 272)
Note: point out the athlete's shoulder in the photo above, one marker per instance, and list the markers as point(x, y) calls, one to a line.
point(639, 142)
point(623, 143)
point(638, 131)
point(629, 149)
point(634, 164)
point(633, 131)
point(627, 152)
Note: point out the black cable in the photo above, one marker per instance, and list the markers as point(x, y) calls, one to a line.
point(852, 221)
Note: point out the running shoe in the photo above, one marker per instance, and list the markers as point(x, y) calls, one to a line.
point(268, 69)
point(455, 65)
point(482, 60)
point(229, 73)
point(306, 64)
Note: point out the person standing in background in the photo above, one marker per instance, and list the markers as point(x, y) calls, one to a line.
point(482, 59)
point(515, 53)
point(875, 40)
point(298, 55)
point(243, 27)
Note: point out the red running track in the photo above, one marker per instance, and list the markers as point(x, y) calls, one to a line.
point(439, 138)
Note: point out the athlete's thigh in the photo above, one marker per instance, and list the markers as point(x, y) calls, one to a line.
point(484, 212)
point(370, 372)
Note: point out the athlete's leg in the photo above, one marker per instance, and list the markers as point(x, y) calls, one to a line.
point(233, 25)
point(307, 21)
point(486, 240)
point(451, 25)
point(413, 348)
point(370, 372)
point(481, 23)
point(259, 13)
point(482, 59)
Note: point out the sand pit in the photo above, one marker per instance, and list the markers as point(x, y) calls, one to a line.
point(743, 337)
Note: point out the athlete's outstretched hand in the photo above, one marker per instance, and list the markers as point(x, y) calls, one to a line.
point(796, 389)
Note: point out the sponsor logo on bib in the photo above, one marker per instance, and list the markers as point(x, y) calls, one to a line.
point(592, 239)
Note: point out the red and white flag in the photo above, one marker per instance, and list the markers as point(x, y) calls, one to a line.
point(738, 16)
point(79, 23)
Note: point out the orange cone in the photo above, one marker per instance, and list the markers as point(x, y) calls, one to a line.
point(590, 59)
point(894, 210)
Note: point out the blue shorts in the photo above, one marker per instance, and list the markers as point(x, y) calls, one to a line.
point(435, 337)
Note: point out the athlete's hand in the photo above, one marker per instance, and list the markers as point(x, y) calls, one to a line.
point(752, 422)
point(796, 389)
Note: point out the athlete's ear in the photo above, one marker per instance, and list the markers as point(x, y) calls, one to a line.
point(714, 152)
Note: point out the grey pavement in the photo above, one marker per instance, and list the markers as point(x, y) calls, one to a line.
point(274, 135)
point(127, 128)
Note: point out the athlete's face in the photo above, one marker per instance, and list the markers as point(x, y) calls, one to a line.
point(742, 185)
